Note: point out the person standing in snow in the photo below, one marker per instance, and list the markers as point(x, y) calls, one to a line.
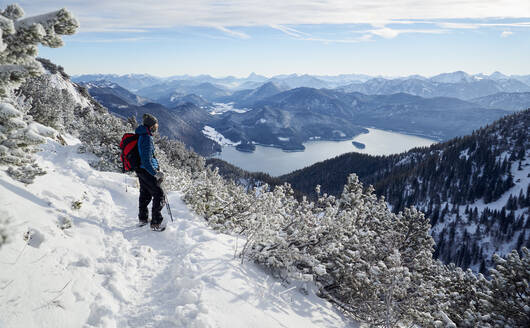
point(149, 174)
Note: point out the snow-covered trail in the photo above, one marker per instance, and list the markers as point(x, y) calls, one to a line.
point(87, 264)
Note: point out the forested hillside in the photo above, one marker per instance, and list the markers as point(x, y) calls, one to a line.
point(474, 189)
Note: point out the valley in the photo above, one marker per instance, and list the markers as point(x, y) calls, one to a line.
point(286, 112)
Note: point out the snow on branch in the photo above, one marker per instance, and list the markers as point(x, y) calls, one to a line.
point(19, 40)
point(49, 26)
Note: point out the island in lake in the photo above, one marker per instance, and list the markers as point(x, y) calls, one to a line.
point(358, 145)
point(246, 147)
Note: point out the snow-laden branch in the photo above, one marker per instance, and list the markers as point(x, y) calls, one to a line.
point(19, 40)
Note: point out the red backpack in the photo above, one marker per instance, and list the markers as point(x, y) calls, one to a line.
point(130, 156)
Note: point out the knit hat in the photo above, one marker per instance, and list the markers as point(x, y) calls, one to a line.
point(149, 120)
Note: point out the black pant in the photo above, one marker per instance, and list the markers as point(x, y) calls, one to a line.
point(150, 190)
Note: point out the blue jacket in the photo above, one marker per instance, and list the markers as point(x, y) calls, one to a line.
point(146, 148)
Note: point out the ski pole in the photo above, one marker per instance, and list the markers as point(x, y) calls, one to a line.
point(166, 199)
point(169, 209)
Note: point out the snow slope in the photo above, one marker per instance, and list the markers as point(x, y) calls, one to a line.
point(76, 259)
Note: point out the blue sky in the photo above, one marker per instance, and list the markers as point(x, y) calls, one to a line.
point(237, 37)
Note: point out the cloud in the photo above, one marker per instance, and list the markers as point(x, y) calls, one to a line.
point(363, 38)
point(299, 35)
point(233, 33)
point(390, 33)
point(458, 26)
point(506, 34)
point(473, 25)
point(290, 31)
point(231, 17)
point(141, 14)
point(386, 33)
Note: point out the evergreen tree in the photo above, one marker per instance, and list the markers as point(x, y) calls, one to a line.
point(508, 303)
point(19, 133)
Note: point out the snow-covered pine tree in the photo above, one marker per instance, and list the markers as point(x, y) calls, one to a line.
point(223, 203)
point(177, 154)
point(379, 260)
point(48, 104)
point(468, 300)
point(18, 140)
point(457, 292)
point(19, 133)
point(284, 234)
point(101, 134)
point(509, 301)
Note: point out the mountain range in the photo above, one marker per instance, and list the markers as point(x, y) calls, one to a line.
point(456, 84)
point(244, 92)
point(288, 118)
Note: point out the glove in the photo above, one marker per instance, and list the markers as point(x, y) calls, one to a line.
point(159, 176)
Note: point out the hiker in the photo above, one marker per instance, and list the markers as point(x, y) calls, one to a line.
point(149, 174)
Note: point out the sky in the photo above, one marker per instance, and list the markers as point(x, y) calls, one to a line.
point(319, 37)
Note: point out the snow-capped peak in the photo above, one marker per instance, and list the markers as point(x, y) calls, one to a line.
point(455, 77)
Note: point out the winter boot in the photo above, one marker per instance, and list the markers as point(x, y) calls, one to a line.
point(158, 227)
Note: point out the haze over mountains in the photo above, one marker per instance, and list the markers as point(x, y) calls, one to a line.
point(287, 110)
point(495, 82)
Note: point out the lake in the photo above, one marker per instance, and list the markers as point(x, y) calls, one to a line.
point(276, 162)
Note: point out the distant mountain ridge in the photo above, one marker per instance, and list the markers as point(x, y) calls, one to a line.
point(504, 100)
point(460, 86)
point(247, 92)
point(503, 83)
point(290, 118)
